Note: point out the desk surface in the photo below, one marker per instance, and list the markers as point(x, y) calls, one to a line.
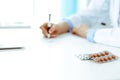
point(52, 59)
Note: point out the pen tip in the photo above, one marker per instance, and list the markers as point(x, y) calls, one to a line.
point(48, 35)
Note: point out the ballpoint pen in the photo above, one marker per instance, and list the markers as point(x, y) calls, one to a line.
point(49, 25)
point(10, 48)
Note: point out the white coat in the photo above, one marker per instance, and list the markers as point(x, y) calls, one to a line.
point(97, 12)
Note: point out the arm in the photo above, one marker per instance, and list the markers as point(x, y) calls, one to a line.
point(108, 37)
point(103, 36)
point(60, 28)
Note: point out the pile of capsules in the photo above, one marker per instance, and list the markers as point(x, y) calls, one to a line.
point(100, 57)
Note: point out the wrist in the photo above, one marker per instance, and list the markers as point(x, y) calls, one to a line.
point(63, 27)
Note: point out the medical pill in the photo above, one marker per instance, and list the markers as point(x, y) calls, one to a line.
point(102, 54)
point(97, 60)
point(109, 58)
point(98, 55)
point(113, 56)
point(101, 59)
point(106, 52)
point(94, 55)
point(105, 59)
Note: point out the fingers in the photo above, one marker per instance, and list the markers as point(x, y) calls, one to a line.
point(44, 27)
point(54, 31)
point(55, 34)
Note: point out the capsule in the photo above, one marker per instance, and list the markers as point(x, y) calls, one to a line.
point(97, 60)
point(109, 58)
point(106, 52)
point(101, 60)
point(98, 55)
point(94, 56)
point(105, 59)
point(113, 56)
point(102, 54)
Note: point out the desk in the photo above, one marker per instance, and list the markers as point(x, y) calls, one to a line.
point(52, 59)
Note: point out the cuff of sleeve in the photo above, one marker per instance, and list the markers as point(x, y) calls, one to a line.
point(69, 24)
point(91, 34)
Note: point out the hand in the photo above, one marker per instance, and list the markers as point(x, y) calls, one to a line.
point(53, 31)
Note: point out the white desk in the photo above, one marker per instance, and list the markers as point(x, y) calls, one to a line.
point(52, 59)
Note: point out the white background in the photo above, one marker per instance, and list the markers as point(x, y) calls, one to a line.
point(25, 10)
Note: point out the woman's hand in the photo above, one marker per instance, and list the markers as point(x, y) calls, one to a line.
point(55, 29)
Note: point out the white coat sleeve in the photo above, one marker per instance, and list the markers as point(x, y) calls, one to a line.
point(73, 21)
point(108, 37)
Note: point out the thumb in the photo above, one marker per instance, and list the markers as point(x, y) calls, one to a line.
point(52, 29)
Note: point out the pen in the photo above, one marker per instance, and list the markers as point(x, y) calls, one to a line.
point(49, 25)
point(10, 48)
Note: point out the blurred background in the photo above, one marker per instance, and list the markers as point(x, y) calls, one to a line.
point(22, 12)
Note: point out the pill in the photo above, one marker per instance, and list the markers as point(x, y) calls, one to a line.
point(106, 52)
point(113, 56)
point(101, 60)
point(109, 58)
point(102, 54)
point(98, 55)
point(105, 59)
point(94, 55)
point(97, 60)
